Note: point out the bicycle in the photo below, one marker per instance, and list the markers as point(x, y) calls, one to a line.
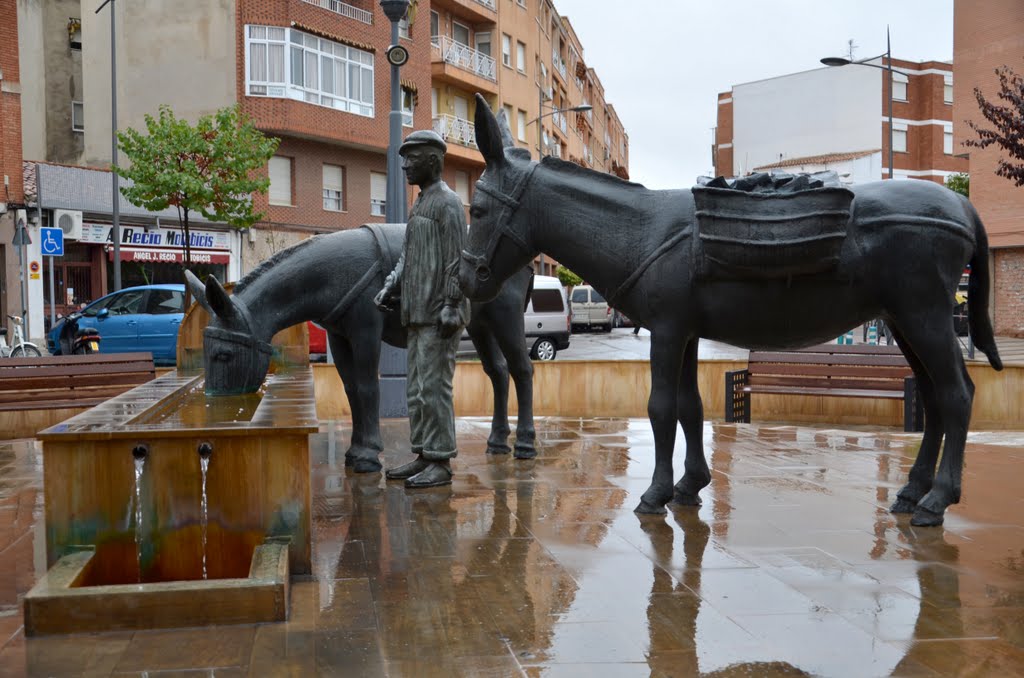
point(20, 348)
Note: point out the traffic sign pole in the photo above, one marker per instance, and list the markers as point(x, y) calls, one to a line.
point(51, 244)
point(53, 299)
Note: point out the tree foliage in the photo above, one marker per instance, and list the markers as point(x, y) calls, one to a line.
point(211, 167)
point(960, 183)
point(567, 277)
point(1007, 119)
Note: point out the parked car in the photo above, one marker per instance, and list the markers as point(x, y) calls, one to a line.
point(317, 343)
point(144, 318)
point(590, 310)
point(620, 319)
point(546, 320)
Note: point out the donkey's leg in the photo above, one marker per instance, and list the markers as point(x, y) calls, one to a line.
point(696, 475)
point(923, 471)
point(666, 359)
point(358, 370)
point(939, 353)
point(497, 370)
point(520, 367)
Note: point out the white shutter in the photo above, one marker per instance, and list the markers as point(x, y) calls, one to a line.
point(378, 193)
point(462, 186)
point(280, 180)
point(332, 177)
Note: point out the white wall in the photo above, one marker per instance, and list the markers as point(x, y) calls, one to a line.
point(827, 110)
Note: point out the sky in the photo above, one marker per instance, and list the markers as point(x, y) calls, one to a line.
point(663, 62)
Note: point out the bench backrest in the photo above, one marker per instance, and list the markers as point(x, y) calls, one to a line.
point(878, 368)
point(69, 378)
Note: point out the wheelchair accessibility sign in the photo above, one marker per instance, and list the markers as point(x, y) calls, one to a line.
point(52, 242)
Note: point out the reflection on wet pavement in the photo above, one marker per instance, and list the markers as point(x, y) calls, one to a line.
point(791, 567)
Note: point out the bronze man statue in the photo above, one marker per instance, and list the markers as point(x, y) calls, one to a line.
point(433, 309)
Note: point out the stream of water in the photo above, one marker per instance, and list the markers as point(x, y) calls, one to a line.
point(204, 465)
point(140, 463)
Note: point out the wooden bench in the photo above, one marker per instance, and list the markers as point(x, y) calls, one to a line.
point(38, 385)
point(832, 370)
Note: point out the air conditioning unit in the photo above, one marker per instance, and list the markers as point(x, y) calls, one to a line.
point(69, 221)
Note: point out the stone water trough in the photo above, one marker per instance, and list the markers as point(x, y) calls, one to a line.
point(166, 508)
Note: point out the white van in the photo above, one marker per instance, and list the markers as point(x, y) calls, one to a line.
point(546, 320)
point(590, 310)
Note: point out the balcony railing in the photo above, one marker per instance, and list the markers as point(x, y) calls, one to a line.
point(464, 57)
point(344, 9)
point(556, 61)
point(559, 119)
point(490, 4)
point(459, 130)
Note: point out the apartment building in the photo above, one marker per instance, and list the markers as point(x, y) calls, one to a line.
point(837, 119)
point(987, 35)
point(12, 194)
point(309, 72)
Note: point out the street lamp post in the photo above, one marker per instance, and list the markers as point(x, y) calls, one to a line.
point(841, 61)
point(541, 114)
point(115, 206)
point(394, 206)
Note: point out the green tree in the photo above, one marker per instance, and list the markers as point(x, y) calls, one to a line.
point(567, 277)
point(959, 182)
point(211, 167)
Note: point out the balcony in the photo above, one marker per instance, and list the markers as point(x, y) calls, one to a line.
point(463, 66)
point(475, 11)
point(559, 65)
point(460, 135)
point(344, 9)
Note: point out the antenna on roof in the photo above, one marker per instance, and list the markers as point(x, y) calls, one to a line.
point(851, 47)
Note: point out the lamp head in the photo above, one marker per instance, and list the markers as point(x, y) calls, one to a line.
point(836, 61)
point(394, 9)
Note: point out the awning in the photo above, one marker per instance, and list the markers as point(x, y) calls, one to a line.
point(153, 255)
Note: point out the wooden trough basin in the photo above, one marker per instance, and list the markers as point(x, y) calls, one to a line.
point(165, 495)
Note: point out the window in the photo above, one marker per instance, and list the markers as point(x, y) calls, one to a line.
point(378, 193)
point(899, 138)
point(128, 303)
point(334, 178)
point(403, 26)
point(483, 43)
point(521, 56)
point(506, 50)
point(460, 33)
point(435, 25)
point(162, 302)
point(75, 33)
point(77, 116)
point(579, 296)
point(899, 86)
point(521, 3)
point(462, 186)
point(280, 170)
point(433, 102)
point(521, 123)
point(547, 301)
point(947, 140)
point(596, 297)
point(947, 89)
point(287, 63)
point(509, 115)
point(408, 106)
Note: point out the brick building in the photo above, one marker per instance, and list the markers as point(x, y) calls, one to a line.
point(313, 74)
point(837, 118)
point(11, 189)
point(987, 35)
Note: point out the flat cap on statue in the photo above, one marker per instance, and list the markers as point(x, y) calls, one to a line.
point(423, 137)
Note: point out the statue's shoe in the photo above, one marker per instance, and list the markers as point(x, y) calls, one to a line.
point(408, 470)
point(434, 475)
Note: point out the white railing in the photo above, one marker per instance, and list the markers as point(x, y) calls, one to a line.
point(459, 130)
point(488, 3)
point(559, 119)
point(344, 9)
point(464, 57)
point(556, 61)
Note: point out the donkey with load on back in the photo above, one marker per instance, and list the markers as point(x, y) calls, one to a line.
point(331, 280)
point(897, 255)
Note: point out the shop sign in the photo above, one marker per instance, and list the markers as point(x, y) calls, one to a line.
point(168, 256)
point(138, 236)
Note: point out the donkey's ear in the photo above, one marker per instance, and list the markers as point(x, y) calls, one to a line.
point(488, 134)
point(198, 290)
point(218, 298)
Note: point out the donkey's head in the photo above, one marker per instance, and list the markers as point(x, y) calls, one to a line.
point(235, 359)
point(499, 242)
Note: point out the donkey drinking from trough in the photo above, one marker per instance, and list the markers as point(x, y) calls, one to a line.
point(331, 280)
point(903, 248)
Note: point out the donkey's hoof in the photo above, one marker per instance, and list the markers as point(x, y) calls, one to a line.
point(902, 505)
point(925, 518)
point(686, 499)
point(363, 465)
point(647, 509)
point(525, 452)
point(498, 449)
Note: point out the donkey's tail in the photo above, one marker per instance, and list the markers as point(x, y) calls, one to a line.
point(978, 291)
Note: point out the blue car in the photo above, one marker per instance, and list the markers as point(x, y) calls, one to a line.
point(144, 318)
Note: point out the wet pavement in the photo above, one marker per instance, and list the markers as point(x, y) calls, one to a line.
point(791, 567)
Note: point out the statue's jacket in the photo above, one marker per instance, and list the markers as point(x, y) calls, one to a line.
point(428, 269)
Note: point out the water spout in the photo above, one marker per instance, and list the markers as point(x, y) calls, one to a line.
point(139, 454)
point(205, 451)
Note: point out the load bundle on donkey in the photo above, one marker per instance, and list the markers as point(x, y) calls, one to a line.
point(331, 280)
point(897, 256)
